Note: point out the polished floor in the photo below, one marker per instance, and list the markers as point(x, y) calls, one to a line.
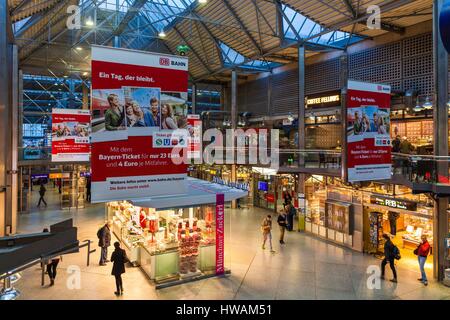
point(304, 268)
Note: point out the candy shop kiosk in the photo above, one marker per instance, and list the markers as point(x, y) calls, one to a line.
point(176, 238)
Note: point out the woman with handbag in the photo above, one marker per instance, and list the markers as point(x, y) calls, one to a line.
point(119, 258)
point(422, 252)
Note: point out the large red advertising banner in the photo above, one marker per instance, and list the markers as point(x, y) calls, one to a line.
point(135, 96)
point(368, 126)
point(71, 129)
point(220, 233)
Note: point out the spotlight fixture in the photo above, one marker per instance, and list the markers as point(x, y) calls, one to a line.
point(202, 1)
point(162, 34)
point(85, 73)
point(428, 105)
point(290, 117)
point(89, 22)
point(79, 48)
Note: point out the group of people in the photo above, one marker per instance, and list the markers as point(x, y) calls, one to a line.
point(362, 124)
point(392, 253)
point(119, 117)
point(285, 221)
point(402, 145)
point(64, 131)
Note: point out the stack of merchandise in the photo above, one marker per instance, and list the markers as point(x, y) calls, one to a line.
point(189, 242)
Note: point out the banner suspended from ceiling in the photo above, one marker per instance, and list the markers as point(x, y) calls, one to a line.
point(136, 96)
point(368, 127)
point(71, 129)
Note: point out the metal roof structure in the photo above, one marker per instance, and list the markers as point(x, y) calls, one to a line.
point(248, 35)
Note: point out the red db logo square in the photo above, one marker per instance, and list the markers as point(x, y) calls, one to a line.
point(164, 61)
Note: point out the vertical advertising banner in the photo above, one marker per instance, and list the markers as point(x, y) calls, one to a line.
point(368, 127)
point(220, 231)
point(135, 96)
point(71, 129)
point(195, 136)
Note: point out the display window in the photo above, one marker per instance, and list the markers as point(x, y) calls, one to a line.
point(168, 245)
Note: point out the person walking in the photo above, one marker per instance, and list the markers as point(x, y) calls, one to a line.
point(392, 217)
point(282, 220)
point(52, 265)
point(104, 241)
point(266, 228)
point(42, 192)
point(422, 252)
point(290, 211)
point(119, 258)
point(389, 256)
point(88, 189)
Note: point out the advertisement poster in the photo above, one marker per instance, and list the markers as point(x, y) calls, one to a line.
point(194, 126)
point(220, 230)
point(135, 96)
point(368, 127)
point(71, 129)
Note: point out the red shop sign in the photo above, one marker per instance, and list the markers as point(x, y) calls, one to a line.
point(220, 229)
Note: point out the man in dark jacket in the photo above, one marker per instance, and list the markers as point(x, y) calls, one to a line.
point(282, 218)
point(389, 256)
point(104, 241)
point(119, 258)
point(392, 217)
point(42, 192)
point(290, 210)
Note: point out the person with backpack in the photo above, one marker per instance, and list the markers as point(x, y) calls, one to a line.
point(104, 241)
point(266, 228)
point(119, 258)
point(391, 252)
point(422, 252)
point(282, 220)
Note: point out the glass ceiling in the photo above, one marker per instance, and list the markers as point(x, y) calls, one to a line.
point(162, 12)
point(297, 27)
point(232, 57)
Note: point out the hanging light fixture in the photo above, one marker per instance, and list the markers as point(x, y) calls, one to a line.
point(428, 105)
point(418, 107)
point(89, 22)
point(162, 34)
point(290, 117)
point(202, 1)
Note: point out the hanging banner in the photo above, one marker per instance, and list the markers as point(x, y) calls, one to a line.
point(194, 126)
point(135, 96)
point(220, 231)
point(368, 127)
point(71, 129)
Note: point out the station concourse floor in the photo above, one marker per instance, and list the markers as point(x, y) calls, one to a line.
point(304, 268)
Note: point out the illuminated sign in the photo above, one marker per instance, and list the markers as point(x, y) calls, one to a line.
point(394, 203)
point(322, 100)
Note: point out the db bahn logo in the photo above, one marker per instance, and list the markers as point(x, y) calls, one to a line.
point(164, 61)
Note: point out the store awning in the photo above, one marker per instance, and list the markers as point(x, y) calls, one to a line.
point(199, 192)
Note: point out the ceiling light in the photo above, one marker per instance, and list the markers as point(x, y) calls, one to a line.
point(79, 48)
point(161, 34)
point(202, 1)
point(428, 105)
point(418, 107)
point(290, 117)
point(85, 73)
point(89, 22)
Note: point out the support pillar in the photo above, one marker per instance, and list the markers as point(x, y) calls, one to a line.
point(194, 98)
point(85, 98)
point(301, 127)
point(440, 138)
point(233, 123)
point(344, 84)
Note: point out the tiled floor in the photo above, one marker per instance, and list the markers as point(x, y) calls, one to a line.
point(305, 268)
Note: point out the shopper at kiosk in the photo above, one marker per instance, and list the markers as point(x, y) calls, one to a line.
point(118, 258)
point(422, 252)
point(104, 241)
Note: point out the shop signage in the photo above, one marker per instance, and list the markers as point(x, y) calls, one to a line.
point(59, 175)
point(322, 100)
point(237, 185)
point(71, 130)
point(137, 101)
point(220, 229)
point(39, 176)
point(367, 131)
point(393, 203)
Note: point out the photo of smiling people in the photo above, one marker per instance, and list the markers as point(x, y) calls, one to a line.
point(368, 120)
point(174, 111)
point(142, 106)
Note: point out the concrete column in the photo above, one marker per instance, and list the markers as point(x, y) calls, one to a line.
point(194, 98)
point(234, 114)
point(301, 100)
point(440, 136)
point(344, 83)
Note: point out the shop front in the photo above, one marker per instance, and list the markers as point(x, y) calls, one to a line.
point(176, 239)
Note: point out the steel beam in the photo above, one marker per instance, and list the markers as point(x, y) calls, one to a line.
point(194, 98)
point(440, 138)
point(344, 84)
point(301, 97)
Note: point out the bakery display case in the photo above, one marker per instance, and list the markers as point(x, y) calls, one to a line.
point(168, 245)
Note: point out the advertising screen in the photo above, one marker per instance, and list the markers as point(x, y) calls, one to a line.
point(368, 126)
point(136, 96)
